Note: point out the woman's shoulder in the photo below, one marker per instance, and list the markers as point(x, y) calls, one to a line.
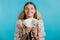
point(40, 21)
point(19, 22)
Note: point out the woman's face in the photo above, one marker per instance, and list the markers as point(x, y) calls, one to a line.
point(29, 10)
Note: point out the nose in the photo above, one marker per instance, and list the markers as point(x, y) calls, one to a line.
point(29, 10)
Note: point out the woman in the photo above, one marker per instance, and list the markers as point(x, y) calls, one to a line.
point(22, 32)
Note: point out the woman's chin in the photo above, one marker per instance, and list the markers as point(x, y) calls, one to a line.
point(29, 15)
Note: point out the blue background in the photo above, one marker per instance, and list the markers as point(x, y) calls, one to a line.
point(10, 9)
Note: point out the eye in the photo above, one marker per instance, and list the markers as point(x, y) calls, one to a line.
point(26, 8)
point(31, 8)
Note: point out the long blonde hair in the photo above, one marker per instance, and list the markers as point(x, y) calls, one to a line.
point(37, 15)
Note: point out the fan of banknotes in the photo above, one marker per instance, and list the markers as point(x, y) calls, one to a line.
point(30, 22)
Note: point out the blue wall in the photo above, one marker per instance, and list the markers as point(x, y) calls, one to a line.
point(10, 9)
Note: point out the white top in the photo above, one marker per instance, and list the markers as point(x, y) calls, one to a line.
point(19, 31)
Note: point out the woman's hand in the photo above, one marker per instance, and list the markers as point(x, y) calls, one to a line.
point(34, 31)
point(27, 30)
